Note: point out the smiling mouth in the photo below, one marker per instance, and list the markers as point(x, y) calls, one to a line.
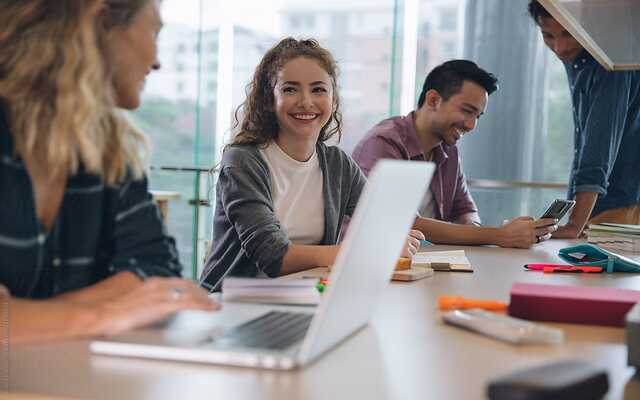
point(459, 133)
point(305, 116)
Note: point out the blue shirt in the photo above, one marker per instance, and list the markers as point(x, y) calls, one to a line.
point(100, 230)
point(606, 113)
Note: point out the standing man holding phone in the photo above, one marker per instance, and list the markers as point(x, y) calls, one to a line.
point(604, 182)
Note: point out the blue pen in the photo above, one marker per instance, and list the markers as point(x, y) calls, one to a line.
point(425, 243)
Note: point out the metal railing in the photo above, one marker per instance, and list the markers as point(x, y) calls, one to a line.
point(205, 181)
point(198, 198)
point(495, 184)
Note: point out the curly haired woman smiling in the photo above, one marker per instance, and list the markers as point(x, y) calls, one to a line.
point(283, 194)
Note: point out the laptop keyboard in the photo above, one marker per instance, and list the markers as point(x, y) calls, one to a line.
point(275, 330)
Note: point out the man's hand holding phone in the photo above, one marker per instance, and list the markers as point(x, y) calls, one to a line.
point(523, 232)
point(555, 212)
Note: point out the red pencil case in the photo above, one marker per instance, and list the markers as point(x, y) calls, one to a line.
point(572, 304)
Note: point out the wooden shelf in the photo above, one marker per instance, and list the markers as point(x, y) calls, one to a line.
point(605, 28)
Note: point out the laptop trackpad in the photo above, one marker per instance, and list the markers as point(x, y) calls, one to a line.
point(192, 328)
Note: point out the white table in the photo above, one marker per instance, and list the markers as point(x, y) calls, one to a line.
point(405, 353)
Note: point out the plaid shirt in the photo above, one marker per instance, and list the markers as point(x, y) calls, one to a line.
point(100, 230)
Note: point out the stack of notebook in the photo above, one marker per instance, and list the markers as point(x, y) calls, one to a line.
point(454, 261)
point(274, 291)
point(615, 236)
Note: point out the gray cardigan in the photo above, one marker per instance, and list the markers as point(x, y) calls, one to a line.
point(247, 237)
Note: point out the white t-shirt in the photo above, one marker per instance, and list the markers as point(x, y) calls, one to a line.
point(297, 194)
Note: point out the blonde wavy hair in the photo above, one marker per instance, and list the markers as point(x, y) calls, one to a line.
point(54, 83)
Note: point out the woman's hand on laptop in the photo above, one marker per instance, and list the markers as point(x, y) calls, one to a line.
point(413, 243)
point(154, 300)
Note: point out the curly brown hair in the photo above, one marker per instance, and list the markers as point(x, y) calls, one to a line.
point(256, 118)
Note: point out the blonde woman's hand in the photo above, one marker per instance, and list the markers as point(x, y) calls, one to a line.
point(413, 243)
point(154, 300)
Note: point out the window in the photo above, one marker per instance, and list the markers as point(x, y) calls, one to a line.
point(449, 49)
point(527, 124)
point(437, 42)
point(301, 21)
point(449, 19)
point(178, 121)
point(187, 122)
point(354, 32)
point(425, 28)
point(423, 54)
point(559, 138)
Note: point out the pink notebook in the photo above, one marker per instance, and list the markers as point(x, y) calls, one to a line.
point(572, 304)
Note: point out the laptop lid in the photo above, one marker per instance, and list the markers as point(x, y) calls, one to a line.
point(363, 268)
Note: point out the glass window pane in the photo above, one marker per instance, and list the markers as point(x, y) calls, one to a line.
point(357, 32)
point(440, 38)
point(558, 151)
point(209, 50)
point(178, 112)
point(527, 124)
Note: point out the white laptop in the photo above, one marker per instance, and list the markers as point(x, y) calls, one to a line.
point(285, 338)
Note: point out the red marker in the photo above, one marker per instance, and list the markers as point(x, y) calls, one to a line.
point(548, 268)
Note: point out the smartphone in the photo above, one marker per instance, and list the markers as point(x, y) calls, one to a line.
point(558, 209)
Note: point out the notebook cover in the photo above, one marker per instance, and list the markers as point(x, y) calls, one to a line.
point(572, 304)
point(412, 274)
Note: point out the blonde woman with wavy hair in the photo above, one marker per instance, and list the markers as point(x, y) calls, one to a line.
point(83, 250)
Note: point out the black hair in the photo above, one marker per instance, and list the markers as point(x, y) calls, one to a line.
point(536, 11)
point(447, 79)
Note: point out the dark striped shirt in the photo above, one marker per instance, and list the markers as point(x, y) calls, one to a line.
point(100, 230)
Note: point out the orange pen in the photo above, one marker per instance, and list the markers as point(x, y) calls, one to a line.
point(459, 302)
